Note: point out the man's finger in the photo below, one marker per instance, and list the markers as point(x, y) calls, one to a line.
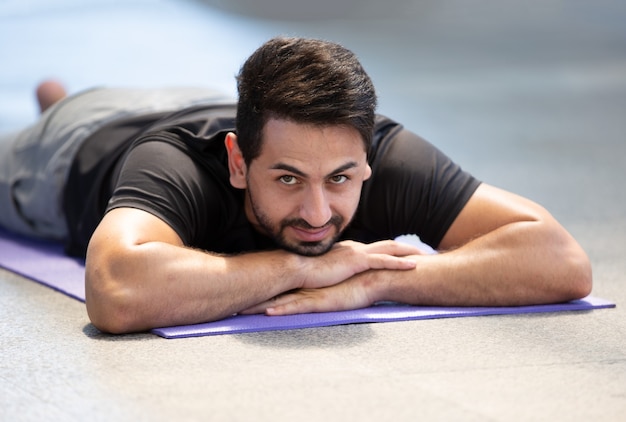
point(391, 247)
point(299, 305)
point(274, 302)
point(389, 262)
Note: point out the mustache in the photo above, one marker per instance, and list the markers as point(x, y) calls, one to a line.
point(335, 220)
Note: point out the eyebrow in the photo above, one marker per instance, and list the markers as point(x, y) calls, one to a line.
point(292, 169)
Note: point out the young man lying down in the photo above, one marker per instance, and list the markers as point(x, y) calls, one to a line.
point(190, 208)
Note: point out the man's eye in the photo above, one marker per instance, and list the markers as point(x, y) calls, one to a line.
point(338, 179)
point(288, 180)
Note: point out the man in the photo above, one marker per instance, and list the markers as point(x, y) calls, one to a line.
point(191, 215)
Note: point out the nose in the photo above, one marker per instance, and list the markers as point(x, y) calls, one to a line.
point(315, 208)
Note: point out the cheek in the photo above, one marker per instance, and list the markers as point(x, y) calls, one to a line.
point(346, 203)
point(272, 201)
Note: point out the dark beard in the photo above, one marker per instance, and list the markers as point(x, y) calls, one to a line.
point(300, 248)
point(308, 248)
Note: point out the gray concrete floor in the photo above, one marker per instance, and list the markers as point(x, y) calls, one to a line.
point(530, 96)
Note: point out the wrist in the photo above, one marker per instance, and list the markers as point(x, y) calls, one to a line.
point(375, 284)
point(296, 268)
point(389, 285)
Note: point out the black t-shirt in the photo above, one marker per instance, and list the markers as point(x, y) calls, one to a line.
point(175, 167)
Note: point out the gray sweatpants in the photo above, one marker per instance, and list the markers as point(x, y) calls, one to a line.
point(35, 162)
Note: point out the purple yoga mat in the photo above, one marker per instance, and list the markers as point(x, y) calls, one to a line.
point(46, 263)
point(378, 313)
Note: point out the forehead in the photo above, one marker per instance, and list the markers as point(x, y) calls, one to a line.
point(285, 139)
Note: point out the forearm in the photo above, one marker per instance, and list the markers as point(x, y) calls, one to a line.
point(502, 250)
point(528, 262)
point(139, 285)
point(158, 284)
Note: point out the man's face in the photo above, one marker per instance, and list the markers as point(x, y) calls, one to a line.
point(304, 187)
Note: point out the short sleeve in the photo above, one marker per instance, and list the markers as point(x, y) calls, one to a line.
point(162, 179)
point(414, 189)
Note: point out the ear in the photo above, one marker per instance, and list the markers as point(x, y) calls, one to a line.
point(236, 163)
point(368, 172)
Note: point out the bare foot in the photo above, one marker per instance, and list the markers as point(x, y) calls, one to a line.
point(48, 93)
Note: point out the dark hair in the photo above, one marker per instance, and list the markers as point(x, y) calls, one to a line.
point(306, 81)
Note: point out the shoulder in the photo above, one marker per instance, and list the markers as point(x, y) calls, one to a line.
point(173, 178)
point(415, 188)
point(397, 149)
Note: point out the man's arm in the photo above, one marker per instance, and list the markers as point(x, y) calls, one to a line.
point(140, 276)
point(502, 250)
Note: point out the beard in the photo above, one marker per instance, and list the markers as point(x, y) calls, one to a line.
point(277, 232)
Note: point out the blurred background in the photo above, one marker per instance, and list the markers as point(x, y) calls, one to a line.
point(528, 95)
point(433, 61)
point(511, 89)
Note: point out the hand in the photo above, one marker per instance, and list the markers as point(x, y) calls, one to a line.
point(348, 258)
point(350, 294)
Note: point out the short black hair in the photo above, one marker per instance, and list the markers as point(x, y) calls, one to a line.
point(306, 81)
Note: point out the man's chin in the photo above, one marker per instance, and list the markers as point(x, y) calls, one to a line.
point(310, 248)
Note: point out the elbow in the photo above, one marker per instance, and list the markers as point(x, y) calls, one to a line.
point(585, 278)
point(109, 310)
point(110, 303)
point(566, 265)
point(578, 279)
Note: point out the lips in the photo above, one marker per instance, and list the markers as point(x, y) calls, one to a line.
point(311, 235)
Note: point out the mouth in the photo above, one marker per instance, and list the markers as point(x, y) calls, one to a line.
point(311, 235)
